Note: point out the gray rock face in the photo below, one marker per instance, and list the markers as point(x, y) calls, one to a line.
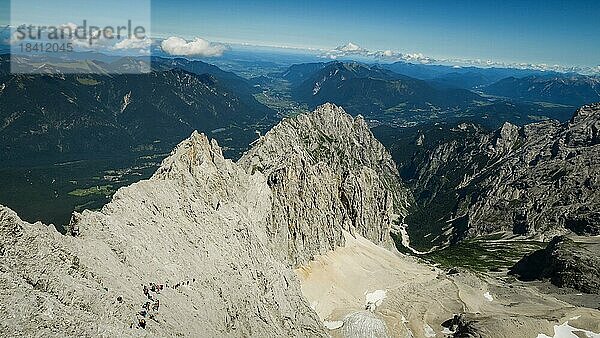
point(198, 224)
point(212, 232)
point(327, 173)
point(364, 324)
point(563, 262)
point(540, 180)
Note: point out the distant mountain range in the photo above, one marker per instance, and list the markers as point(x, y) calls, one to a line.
point(60, 109)
point(296, 74)
point(516, 84)
point(57, 117)
point(569, 90)
point(370, 89)
point(462, 77)
point(383, 95)
point(122, 120)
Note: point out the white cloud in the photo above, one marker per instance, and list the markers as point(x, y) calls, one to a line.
point(14, 38)
point(541, 66)
point(346, 50)
point(134, 43)
point(96, 40)
point(196, 47)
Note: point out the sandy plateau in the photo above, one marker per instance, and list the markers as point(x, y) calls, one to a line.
point(419, 298)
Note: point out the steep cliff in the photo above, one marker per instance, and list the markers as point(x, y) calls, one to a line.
point(541, 180)
point(202, 248)
point(327, 173)
point(565, 263)
point(196, 227)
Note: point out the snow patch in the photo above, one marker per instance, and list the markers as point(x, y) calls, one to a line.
point(333, 324)
point(374, 299)
point(567, 331)
point(488, 296)
point(317, 88)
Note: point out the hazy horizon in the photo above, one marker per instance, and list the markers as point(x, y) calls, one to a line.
point(484, 33)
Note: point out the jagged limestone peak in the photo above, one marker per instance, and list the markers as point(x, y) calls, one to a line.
point(197, 227)
point(327, 173)
point(584, 127)
point(539, 180)
point(507, 136)
point(221, 236)
point(189, 155)
point(590, 111)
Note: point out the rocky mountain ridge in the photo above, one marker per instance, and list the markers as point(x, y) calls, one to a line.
point(575, 90)
point(327, 173)
point(204, 246)
point(538, 180)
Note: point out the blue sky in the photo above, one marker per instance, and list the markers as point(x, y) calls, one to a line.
point(563, 32)
point(56, 12)
point(552, 32)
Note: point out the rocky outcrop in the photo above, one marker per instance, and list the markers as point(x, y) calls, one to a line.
point(327, 173)
point(203, 248)
point(563, 262)
point(541, 180)
point(197, 227)
point(462, 327)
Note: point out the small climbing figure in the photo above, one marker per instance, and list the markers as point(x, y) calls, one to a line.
point(142, 323)
point(156, 305)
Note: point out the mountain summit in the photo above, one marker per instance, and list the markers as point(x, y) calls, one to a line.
point(203, 247)
point(327, 173)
